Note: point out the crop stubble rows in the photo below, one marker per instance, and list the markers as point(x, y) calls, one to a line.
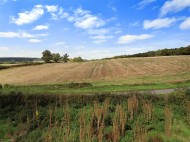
point(105, 70)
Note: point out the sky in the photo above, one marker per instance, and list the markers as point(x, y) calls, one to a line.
point(92, 29)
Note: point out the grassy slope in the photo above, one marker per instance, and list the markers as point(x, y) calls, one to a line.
point(101, 88)
point(105, 76)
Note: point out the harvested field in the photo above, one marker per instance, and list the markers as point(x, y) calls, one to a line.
point(128, 70)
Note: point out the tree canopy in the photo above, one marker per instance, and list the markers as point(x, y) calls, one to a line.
point(46, 56)
point(162, 52)
point(65, 58)
point(56, 57)
point(78, 59)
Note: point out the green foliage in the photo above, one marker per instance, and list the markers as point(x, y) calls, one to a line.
point(95, 88)
point(20, 64)
point(20, 122)
point(56, 57)
point(46, 56)
point(78, 85)
point(65, 58)
point(3, 67)
point(16, 59)
point(187, 92)
point(156, 138)
point(162, 52)
point(78, 59)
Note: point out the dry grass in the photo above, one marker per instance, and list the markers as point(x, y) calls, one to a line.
point(168, 120)
point(107, 70)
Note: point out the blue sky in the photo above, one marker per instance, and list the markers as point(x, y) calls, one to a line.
point(92, 28)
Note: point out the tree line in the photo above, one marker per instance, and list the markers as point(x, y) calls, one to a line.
point(47, 56)
point(163, 52)
point(17, 59)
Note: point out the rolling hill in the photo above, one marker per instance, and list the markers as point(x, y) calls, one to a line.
point(130, 71)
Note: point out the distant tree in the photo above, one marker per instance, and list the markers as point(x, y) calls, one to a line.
point(66, 58)
point(46, 56)
point(78, 59)
point(56, 57)
point(161, 52)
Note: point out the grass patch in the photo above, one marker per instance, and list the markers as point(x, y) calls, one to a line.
point(88, 88)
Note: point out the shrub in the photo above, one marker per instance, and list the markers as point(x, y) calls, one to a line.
point(187, 92)
point(156, 138)
point(6, 86)
point(78, 85)
point(3, 67)
point(78, 59)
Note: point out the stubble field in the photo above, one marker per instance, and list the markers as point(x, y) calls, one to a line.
point(130, 71)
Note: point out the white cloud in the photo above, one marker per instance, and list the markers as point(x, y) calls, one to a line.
point(90, 23)
point(85, 20)
point(51, 8)
point(118, 32)
point(101, 31)
point(58, 14)
point(100, 38)
point(34, 40)
point(41, 27)
point(132, 38)
point(158, 23)
point(15, 34)
point(172, 6)
point(144, 3)
point(62, 13)
point(19, 35)
point(3, 48)
point(28, 16)
point(134, 24)
point(59, 44)
point(44, 34)
point(99, 41)
point(80, 47)
point(185, 24)
point(54, 16)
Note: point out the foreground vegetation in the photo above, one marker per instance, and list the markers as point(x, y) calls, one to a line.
point(133, 117)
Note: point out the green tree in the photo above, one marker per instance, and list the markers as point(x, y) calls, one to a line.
point(66, 58)
point(56, 57)
point(78, 59)
point(46, 56)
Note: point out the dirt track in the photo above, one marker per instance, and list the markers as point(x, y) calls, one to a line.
point(163, 91)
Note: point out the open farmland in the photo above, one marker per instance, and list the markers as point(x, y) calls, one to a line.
point(116, 71)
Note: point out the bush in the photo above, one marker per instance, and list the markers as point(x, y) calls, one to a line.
point(1, 86)
point(3, 67)
point(6, 86)
point(78, 59)
point(156, 138)
point(79, 85)
point(187, 92)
